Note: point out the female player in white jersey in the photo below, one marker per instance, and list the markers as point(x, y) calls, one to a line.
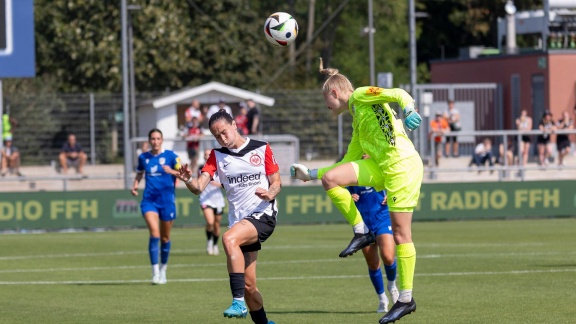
point(212, 204)
point(249, 173)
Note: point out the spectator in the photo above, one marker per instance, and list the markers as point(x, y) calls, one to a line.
point(192, 137)
point(242, 120)
point(204, 121)
point(510, 153)
point(10, 158)
point(483, 154)
point(8, 123)
point(72, 155)
point(193, 111)
point(452, 115)
point(144, 147)
point(215, 108)
point(438, 127)
point(546, 127)
point(562, 140)
point(253, 116)
point(524, 123)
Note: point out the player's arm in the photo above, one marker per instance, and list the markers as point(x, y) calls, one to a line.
point(196, 186)
point(137, 179)
point(273, 190)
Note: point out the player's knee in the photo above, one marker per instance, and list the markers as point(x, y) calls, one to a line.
point(229, 240)
point(330, 180)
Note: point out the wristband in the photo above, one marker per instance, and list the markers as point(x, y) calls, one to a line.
point(188, 181)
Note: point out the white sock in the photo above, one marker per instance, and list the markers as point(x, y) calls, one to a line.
point(240, 299)
point(361, 228)
point(405, 296)
point(382, 297)
point(163, 267)
point(155, 269)
point(391, 284)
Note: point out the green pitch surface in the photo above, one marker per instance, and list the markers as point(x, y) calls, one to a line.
point(520, 271)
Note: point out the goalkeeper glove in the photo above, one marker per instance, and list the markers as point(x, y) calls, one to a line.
point(301, 172)
point(411, 118)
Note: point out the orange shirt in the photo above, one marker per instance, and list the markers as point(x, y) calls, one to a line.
point(436, 126)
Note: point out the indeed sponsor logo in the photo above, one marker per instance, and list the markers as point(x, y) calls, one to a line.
point(244, 178)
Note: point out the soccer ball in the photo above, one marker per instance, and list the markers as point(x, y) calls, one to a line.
point(281, 29)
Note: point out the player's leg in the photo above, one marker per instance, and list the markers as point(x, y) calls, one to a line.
point(152, 219)
point(334, 182)
point(254, 299)
point(403, 184)
point(375, 274)
point(167, 216)
point(387, 250)
point(216, 233)
point(209, 217)
point(243, 233)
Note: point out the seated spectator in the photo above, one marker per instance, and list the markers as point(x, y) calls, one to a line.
point(72, 155)
point(242, 120)
point(511, 151)
point(483, 154)
point(10, 158)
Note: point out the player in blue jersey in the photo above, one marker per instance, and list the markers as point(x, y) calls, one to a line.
point(374, 210)
point(159, 202)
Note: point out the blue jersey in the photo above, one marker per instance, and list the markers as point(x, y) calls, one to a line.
point(160, 186)
point(375, 215)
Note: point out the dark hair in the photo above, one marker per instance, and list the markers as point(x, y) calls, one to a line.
point(221, 114)
point(155, 130)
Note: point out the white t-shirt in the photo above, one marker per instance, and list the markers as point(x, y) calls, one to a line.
point(215, 108)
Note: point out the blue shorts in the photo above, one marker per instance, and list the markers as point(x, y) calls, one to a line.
point(379, 224)
point(166, 213)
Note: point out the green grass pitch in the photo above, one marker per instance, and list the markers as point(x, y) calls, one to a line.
point(514, 271)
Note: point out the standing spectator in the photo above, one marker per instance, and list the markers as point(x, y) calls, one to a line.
point(524, 123)
point(10, 158)
point(72, 155)
point(158, 205)
point(8, 123)
point(215, 108)
point(252, 207)
point(452, 115)
point(192, 137)
point(562, 140)
point(253, 116)
point(242, 120)
point(193, 111)
point(204, 121)
point(546, 127)
point(438, 127)
point(483, 154)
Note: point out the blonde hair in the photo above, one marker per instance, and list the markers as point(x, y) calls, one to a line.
point(335, 80)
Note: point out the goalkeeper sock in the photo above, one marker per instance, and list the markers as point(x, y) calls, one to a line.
point(406, 263)
point(342, 199)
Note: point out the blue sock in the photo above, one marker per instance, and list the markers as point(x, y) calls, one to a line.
point(376, 278)
point(153, 249)
point(165, 251)
point(390, 271)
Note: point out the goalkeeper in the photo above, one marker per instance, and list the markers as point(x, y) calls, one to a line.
point(394, 165)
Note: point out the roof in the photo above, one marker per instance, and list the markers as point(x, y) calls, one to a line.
point(212, 89)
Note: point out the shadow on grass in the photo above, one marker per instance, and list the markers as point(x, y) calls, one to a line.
point(316, 312)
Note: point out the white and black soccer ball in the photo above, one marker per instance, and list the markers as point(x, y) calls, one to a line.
point(281, 29)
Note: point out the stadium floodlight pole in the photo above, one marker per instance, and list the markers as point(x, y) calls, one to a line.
point(371, 42)
point(125, 101)
point(412, 27)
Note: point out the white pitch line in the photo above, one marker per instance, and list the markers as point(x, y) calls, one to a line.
point(444, 274)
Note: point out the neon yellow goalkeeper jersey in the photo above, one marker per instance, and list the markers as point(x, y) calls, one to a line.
point(377, 130)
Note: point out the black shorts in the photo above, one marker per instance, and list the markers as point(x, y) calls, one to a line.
point(192, 153)
point(265, 225)
point(526, 139)
point(218, 211)
point(452, 139)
